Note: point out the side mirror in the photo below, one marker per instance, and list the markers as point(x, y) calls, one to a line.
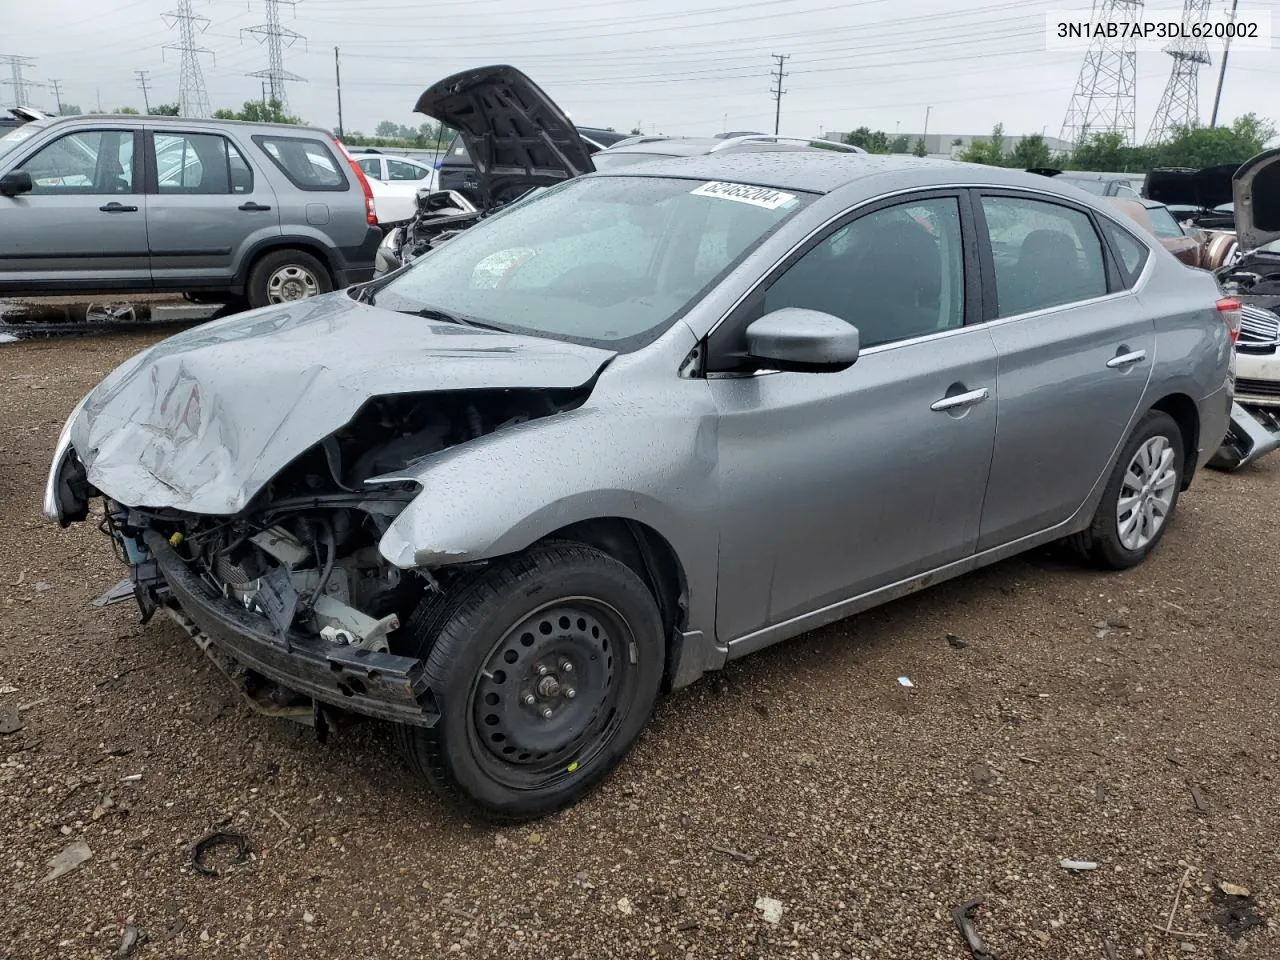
point(12, 184)
point(806, 341)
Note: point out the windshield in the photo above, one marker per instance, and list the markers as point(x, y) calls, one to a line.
point(19, 134)
point(1098, 187)
point(606, 160)
point(606, 261)
point(1163, 223)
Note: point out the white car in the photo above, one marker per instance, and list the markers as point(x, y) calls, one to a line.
point(395, 182)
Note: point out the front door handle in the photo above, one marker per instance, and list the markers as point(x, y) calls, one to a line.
point(960, 400)
point(1127, 359)
point(253, 207)
point(117, 207)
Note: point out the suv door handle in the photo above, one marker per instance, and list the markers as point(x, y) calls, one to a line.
point(960, 400)
point(117, 207)
point(252, 207)
point(1127, 359)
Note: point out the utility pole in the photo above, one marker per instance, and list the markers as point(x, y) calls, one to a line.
point(57, 93)
point(337, 72)
point(142, 82)
point(18, 82)
point(777, 90)
point(1222, 72)
point(927, 111)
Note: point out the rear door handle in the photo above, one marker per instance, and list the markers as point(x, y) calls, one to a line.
point(116, 207)
point(960, 400)
point(1127, 359)
point(253, 207)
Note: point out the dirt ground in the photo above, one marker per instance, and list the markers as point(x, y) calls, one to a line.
point(1131, 720)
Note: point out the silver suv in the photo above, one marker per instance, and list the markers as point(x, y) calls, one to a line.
point(224, 210)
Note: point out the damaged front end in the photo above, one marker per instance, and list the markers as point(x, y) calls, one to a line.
point(290, 596)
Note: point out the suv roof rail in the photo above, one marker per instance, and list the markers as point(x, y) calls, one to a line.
point(771, 138)
point(632, 141)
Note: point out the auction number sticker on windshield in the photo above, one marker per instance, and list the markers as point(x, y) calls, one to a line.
point(765, 197)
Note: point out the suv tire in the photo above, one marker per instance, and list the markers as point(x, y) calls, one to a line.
point(282, 276)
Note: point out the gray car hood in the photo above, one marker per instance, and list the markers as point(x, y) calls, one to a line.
point(202, 421)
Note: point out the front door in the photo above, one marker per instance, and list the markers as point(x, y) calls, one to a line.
point(206, 203)
point(836, 484)
point(1076, 352)
point(83, 225)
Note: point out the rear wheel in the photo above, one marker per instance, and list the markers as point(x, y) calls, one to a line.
point(1140, 498)
point(283, 276)
point(546, 667)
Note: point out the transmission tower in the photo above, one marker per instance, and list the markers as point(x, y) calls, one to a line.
point(1180, 105)
point(1106, 93)
point(18, 82)
point(193, 98)
point(276, 38)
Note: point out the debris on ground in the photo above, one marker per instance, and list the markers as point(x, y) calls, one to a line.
point(736, 854)
point(10, 718)
point(1199, 799)
point(770, 909)
point(214, 839)
point(963, 916)
point(906, 682)
point(129, 941)
point(70, 857)
point(1235, 914)
point(1075, 866)
point(624, 906)
point(1233, 889)
point(957, 641)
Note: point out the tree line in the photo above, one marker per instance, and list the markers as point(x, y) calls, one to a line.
point(1189, 146)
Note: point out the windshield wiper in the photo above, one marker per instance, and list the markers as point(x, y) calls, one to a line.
point(435, 313)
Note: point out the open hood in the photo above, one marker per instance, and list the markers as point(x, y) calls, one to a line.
point(202, 421)
point(516, 135)
point(1256, 194)
point(1203, 189)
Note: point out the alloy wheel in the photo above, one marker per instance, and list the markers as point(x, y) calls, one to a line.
point(1146, 493)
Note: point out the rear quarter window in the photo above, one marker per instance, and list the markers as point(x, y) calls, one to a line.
point(307, 162)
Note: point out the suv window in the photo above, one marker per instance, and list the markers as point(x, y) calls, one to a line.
point(895, 273)
point(200, 163)
point(1045, 254)
point(307, 163)
point(400, 170)
point(87, 162)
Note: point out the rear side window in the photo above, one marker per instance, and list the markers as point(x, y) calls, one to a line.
point(309, 164)
point(1046, 255)
point(200, 163)
point(1129, 250)
point(400, 170)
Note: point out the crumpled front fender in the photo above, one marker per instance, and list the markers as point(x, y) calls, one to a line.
point(648, 457)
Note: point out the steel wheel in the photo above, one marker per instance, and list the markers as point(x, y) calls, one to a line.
point(547, 695)
point(1146, 493)
point(291, 282)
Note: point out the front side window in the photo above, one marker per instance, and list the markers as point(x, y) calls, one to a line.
point(91, 162)
point(1045, 254)
point(200, 163)
point(400, 170)
point(895, 273)
point(610, 261)
point(309, 164)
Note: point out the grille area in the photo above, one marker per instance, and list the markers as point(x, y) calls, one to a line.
point(1258, 327)
point(1257, 388)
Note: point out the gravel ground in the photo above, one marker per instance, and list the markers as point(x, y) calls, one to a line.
point(1070, 719)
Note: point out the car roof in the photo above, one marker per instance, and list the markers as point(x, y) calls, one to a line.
point(83, 119)
point(823, 171)
point(1093, 175)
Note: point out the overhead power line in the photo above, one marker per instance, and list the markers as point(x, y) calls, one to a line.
point(193, 98)
point(18, 83)
point(276, 37)
point(1180, 104)
point(1105, 99)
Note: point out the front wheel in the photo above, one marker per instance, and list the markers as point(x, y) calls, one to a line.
point(1140, 498)
point(546, 669)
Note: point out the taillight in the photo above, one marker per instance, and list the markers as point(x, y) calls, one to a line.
point(1229, 309)
point(370, 214)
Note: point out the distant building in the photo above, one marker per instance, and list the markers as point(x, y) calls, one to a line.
point(946, 145)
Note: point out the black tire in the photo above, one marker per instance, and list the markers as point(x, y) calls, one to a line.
point(490, 751)
point(1101, 543)
point(259, 292)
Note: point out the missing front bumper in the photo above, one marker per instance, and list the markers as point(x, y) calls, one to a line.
point(381, 685)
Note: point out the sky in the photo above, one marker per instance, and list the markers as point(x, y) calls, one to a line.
point(681, 67)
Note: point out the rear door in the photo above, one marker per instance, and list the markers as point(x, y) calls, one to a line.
point(83, 225)
point(206, 200)
point(1075, 349)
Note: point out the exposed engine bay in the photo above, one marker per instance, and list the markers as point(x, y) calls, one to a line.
point(304, 553)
